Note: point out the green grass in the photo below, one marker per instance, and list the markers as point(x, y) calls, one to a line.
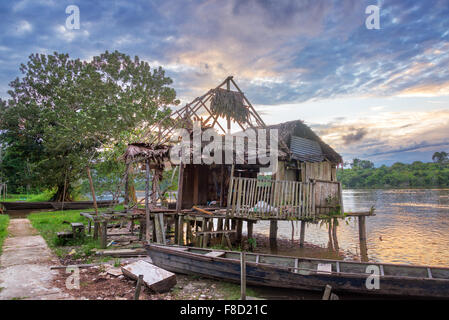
point(50, 223)
point(4, 221)
point(231, 291)
point(37, 197)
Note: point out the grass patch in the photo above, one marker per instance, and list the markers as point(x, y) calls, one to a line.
point(231, 291)
point(50, 223)
point(4, 221)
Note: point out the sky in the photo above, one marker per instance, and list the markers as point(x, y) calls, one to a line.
point(377, 94)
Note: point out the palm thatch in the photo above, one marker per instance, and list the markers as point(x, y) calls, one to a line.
point(229, 103)
point(142, 151)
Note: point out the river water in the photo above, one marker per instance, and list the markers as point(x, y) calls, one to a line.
point(410, 226)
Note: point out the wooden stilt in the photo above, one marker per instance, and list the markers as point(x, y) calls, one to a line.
point(273, 235)
point(362, 238)
point(147, 200)
point(273, 229)
point(176, 228)
point(181, 230)
point(180, 188)
point(104, 234)
point(242, 276)
point(249, 226)
point(239, 231)
point(302, 234)
point(126, 200)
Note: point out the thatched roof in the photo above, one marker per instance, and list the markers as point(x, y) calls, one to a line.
point(298, 128)
point(143, 151)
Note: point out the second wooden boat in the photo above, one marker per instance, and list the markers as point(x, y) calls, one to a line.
point(75, 205)
point(305, 273)
point(25, 205)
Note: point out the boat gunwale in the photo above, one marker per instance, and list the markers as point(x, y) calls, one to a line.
point(175, 249)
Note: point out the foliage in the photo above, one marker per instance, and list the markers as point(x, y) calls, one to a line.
point(399, 175)
point(4, 221)
point(63, 112)
point(441, 157)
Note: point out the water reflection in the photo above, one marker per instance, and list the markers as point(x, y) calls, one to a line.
point(410, 226)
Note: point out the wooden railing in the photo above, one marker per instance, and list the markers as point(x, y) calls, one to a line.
point(260, 198)
point(280, 199)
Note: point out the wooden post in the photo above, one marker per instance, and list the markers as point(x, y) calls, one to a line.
point(189, 232)
point(195, 184)
point(231, 177)
point(222, 185)
point(362, 238)
point(138, 287)
point(180, 230)
point(104, 234)
point(273, 235)
point(242, 276)
point(96, 230)
point(228, 118)
point(162, 226)
point(302, 234)
point(273, 229)
point(327, 292)
point(92, 190)
point(180, 188)
point(239, 231)
point(125, 202)
point(176, 228)
point(147, 201)
point(249, 228)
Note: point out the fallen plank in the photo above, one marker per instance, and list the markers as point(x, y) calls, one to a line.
point(155, 278)
point(122, 252)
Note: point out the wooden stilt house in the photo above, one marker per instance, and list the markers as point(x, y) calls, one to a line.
point(303, 186)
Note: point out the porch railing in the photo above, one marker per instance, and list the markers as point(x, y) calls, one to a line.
point(281, 199)
point(260, 198)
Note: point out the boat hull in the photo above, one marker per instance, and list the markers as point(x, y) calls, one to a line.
point(261, 274)
point(80, 205)
point(23, 205)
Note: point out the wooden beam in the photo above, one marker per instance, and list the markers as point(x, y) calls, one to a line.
point(147, 201)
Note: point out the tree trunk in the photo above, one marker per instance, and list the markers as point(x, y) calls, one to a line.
point(59, 195)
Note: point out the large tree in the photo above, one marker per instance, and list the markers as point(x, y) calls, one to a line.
point(63, 111)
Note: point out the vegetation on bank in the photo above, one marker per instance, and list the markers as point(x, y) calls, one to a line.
point(45, 195)
point(4, 221)
point(364, 175)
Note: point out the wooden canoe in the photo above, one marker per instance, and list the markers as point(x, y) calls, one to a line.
point(75, 205)
point(304, 273)
point(25, 205)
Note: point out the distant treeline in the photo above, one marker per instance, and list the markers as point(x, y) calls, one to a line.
point(415, 175)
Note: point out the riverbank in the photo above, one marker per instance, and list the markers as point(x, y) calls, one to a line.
point(96, 283)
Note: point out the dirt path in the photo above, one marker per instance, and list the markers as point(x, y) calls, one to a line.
point(25, 265)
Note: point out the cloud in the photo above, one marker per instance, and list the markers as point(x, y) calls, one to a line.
point(355, 136)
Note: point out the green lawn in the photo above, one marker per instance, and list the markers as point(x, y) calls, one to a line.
point(4, 221)
point(50, 223)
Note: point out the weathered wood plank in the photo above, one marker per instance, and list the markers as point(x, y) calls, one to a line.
point(155, 278)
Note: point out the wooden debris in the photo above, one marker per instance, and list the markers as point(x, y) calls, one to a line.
point(114, 271)
point(138, 287)
point(155, 278)
point(122, 252)
point(202, 210)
